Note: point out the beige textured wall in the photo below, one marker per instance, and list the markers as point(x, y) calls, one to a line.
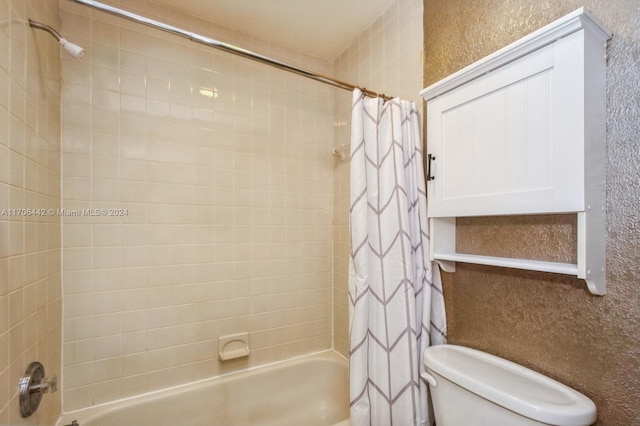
point(228, 196)
point(386, 57)
point(548, 322)
point(30, 301)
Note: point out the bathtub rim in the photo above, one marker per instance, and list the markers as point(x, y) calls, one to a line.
point(89, 413)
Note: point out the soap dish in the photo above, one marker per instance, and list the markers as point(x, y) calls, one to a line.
point(233, 346)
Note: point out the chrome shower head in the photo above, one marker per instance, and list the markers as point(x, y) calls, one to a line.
point(72, 49)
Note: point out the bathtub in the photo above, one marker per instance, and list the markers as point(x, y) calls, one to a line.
point(310, 390)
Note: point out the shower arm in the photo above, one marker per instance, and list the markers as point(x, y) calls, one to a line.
point(46, 28)
point(72, 49)
point(229, 48)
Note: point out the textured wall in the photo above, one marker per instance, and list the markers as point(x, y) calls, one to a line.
point(386, 57)
point(30, 298)
point(549, 322)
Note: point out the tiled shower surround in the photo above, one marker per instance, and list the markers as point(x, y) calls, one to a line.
point(30, 297)
point(217, 179)
point(215, 173)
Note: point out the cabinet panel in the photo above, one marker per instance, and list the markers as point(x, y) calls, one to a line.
point(493, 141)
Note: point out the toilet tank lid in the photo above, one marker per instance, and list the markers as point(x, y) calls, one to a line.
point(510, 385)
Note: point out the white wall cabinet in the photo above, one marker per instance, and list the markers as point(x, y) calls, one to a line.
point(522, 131)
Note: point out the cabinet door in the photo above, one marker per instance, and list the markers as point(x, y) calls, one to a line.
point(494, 141)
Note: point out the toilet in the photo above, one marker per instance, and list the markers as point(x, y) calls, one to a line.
point(472, 388)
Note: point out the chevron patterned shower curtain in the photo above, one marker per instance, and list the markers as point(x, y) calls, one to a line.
point(396, 309)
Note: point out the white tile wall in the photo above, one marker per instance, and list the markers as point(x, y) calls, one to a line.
point(30, 296)
point(223, 170)
point(387, 58)
point(229, 198)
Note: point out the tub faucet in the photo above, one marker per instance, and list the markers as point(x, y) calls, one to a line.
point(73, 423)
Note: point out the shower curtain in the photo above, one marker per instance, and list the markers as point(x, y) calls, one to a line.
point(396, 308)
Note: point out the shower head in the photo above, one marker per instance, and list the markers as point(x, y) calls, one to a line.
point(72, 49)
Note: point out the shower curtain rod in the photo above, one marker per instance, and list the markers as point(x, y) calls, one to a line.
point(228, 48)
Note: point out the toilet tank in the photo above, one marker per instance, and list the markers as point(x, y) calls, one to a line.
point(470, 387)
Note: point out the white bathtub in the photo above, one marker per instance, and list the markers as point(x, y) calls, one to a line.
point(311, 390)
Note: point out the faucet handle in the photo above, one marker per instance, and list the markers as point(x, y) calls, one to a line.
point(32, 386)
point(46, 385)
